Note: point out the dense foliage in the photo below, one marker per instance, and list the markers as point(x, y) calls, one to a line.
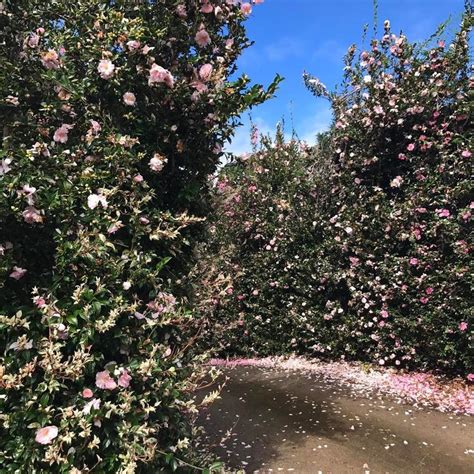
point(113, 114)
point(360, 247)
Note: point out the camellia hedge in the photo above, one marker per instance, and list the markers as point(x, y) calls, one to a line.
point(113, 114)
point(360, 247)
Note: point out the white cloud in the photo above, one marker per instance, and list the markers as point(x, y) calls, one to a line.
point(306, 129)
point(318, 122)
point(241, 141)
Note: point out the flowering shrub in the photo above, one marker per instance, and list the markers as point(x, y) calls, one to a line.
point(113, 115)
point(359, 248)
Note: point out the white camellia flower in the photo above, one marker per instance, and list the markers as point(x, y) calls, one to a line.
point(106, 68)
point(95, 199)
point(396, 182)
point(5, 166)
point(367, 79)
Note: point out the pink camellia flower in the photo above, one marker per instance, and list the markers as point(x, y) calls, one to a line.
point(413, 261)
point(181, 11)
point(124, 379)
point(106, 68)
point(199, 86)
point(463, 326)
point(18, 273)
point(384, 313)
point(95, 127)
point(61, 134)
point(157, 163)
point(470, 377)
point(50, 60)
point(378, 109)
point(410, 146)
point(33, 40)
point(47, 434)
point(354, 261)
point(202, 37)
point(205, 72)
point(133, 45)
point(39, 301)
point(31, 215)
point(87, 393)
point(146, 49)
point(159, 74)
point(206, 7)
point(105, 381)
point(28, 190)
point(443, 212)
point(424, 300)
point(429, 290)
point(466, 154)
point(138, 178)
point(129, 99)
point(246, 8)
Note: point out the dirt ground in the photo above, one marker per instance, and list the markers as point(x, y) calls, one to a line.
point(297, 422)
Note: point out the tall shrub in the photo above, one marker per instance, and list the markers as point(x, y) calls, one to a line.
point(113, 115)
point(361, 248)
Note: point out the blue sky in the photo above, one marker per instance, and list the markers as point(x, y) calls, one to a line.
point(295, 35)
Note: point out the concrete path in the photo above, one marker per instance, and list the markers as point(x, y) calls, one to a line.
point(297, 422)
